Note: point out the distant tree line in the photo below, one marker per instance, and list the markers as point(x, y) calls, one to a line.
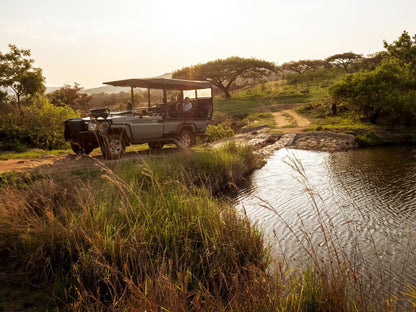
point(348, 61)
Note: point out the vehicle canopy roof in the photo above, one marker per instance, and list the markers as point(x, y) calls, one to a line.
point(161, 83)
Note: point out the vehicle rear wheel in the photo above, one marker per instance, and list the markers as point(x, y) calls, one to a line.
point(113, 146)
point(186, 139)
point(154, 146)
point(81, 149)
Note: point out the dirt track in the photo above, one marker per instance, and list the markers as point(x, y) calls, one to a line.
point(65, 162)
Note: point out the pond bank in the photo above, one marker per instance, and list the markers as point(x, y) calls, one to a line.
point(264, 143)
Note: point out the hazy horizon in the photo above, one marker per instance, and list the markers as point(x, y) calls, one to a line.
point(89, 42)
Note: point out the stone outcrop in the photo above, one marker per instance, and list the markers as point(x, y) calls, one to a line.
point(264, 143)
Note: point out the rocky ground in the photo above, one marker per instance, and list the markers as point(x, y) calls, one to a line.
point(265, 143)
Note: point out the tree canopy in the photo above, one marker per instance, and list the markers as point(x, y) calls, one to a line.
point(71, 96)
point(224, 72)
point(344, 60)
point(389, 91)
point(303, 65)
point(18, 74)
point(404, 50)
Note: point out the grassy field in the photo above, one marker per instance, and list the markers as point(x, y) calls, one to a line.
point(157, 235)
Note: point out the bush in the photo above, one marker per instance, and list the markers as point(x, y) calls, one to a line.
point(385, 94)
point(40, 125)
point(217, 132)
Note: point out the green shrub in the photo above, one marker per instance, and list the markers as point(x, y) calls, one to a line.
point(217, 132)
point(369, 139)
point(39, 125)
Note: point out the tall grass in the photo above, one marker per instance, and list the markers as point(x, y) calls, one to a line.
point(137, 236)
point(149, 235)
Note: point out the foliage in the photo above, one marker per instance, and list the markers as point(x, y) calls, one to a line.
point(40, 126)
point(404, 50)
point(373, 60)
point(369, 139)
point(344, 60)
point(303, 65)
point(224, 72)
point(18, 74)
point(71, 96)
point(388, 91)
point(217, 132)
point(321, 77)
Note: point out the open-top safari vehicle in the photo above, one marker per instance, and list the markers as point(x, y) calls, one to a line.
point(156, 124)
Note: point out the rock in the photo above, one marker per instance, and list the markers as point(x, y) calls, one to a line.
point(247, 129)
point(324, 141)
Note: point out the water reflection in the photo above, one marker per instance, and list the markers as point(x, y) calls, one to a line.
point(366, 198)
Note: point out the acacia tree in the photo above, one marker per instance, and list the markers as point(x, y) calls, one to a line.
point(18, 74)
point(344, 60)
point(303, 65)
point(224, 72)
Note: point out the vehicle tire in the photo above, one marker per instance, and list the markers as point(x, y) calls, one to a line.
point(155, 146)
point(186, 139)
point(113, 146)
point(81, 149)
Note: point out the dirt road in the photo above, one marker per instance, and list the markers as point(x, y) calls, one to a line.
point(288, 121)
point(66, 162)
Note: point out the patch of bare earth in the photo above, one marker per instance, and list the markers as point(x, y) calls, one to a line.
point(63, 163)
point(289, 121)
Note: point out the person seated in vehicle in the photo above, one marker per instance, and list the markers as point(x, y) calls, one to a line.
point(187, 107)
point(172, 108)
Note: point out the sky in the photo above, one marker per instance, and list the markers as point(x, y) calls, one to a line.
point(91, 41)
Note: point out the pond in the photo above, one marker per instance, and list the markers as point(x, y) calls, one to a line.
point(363, 201)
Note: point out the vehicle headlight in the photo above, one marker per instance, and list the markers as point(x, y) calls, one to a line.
point(92, 126)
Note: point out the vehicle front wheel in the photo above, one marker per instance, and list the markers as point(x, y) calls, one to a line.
point(81, 149)
point(186, 139)
point(113, 146)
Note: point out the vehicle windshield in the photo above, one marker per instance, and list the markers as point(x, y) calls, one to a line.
point(200, 93)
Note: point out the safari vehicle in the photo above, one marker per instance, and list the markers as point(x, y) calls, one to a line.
point(156, 124)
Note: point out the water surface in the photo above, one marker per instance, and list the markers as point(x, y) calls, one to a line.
point(363, 200)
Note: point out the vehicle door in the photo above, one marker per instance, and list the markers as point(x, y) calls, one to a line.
point(146, 127)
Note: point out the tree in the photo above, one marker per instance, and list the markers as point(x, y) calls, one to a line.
point(403, 49)
point(224, 72)
point(303, 65)
point(70, 96)
point(389, 90)
point(18, 74)
point(344, 60)
point(373, 60)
